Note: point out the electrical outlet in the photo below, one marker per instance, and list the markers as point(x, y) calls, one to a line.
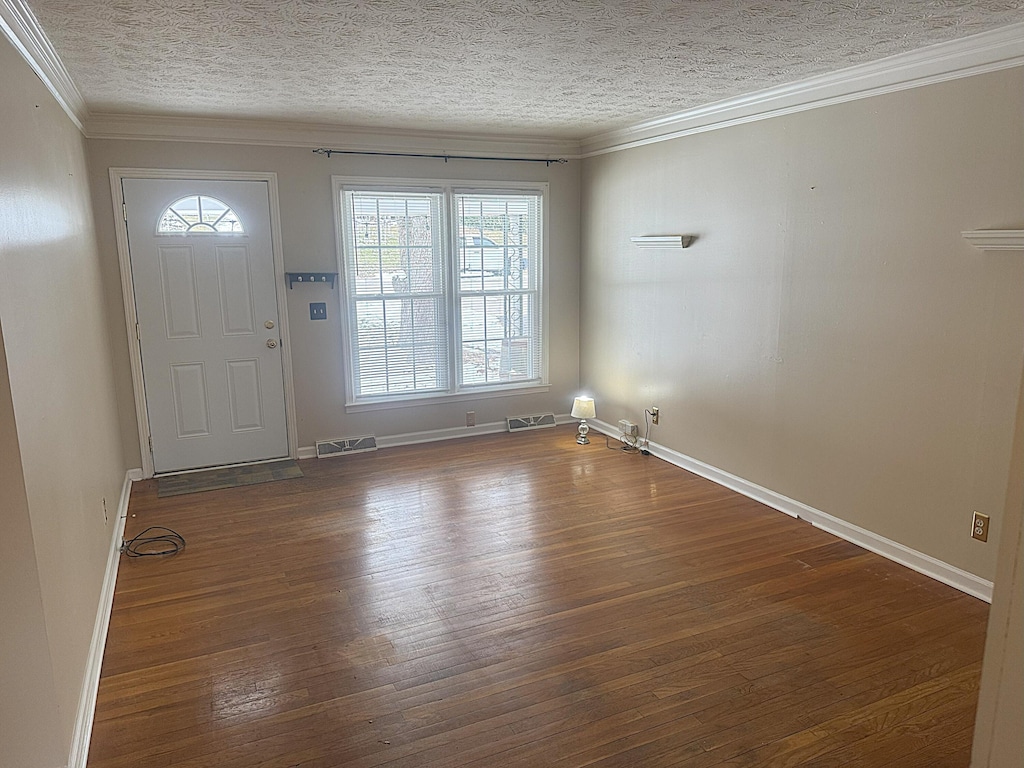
point(655, 414)
point(470, 418)
point(979, 528)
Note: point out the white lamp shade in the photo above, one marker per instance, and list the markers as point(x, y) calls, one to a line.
point(583, 408)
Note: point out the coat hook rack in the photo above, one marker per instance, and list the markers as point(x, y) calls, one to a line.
point(320, 278)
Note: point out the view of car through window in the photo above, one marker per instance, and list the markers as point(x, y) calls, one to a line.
point(480, 254)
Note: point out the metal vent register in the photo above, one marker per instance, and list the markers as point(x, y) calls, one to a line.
point(516, 423)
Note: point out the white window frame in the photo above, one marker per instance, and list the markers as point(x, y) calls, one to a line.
point(449, 188)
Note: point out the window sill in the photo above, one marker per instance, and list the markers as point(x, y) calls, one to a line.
point(437, 399)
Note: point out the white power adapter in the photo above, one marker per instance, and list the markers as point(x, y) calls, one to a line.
point(628, 428)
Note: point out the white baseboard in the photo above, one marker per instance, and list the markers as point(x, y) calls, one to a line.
point(892, 550)
point(434, 435)
point(91, 682)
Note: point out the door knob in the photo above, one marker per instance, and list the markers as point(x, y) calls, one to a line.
point(271, 343)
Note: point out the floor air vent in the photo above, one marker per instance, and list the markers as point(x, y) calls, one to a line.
point(516, 423)
point(325, 448)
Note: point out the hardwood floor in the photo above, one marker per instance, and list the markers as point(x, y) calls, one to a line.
point(518, 600)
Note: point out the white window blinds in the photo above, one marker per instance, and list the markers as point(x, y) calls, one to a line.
point(395, 283)
point(499, 309)
point(443, 290)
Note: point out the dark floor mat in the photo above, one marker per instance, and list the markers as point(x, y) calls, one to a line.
point(227, 477)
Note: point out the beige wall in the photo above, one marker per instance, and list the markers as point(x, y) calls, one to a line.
point(28, 702)
point(308, 233)
point(829, 335)
point(60, 446)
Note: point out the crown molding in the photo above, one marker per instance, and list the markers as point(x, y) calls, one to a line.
point(288, 134)
point(985, 52)
point(20, 26)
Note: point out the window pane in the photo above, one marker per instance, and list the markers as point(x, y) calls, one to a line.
point(428, 322)
point(405, 288)
point(473, 318)
point(399, 335)
point(424, 273)
point(499, 260)
point(370, 323)
point(474, 362)
point(198, 214)
point(367, 271)
point(499, 339)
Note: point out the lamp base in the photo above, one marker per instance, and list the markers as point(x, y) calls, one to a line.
point(581, 438)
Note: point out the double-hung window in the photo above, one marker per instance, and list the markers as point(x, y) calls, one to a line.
point(442, 288)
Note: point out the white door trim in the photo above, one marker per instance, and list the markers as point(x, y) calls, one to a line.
point(128, 291)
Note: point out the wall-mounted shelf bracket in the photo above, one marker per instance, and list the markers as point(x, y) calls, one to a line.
point(996, 239)
point(320, 278)
point(663, 241)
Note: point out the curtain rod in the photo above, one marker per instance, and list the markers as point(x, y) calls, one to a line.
point(446, 158)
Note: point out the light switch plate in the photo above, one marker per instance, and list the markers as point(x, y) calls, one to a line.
point(318, 310)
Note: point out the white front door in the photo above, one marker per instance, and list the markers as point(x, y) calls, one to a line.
point(205, 296)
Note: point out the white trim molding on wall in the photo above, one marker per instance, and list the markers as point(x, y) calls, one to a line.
point(128, 291)
point(91, 680)
point(990, 51)
point(974, 55)
point(337, 137)
point(891, 550)
point(21, 27)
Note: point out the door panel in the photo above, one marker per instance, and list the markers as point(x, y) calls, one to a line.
point(236, 300)
point(179, 292)
point(244, 395)
point(191, 405)
point(206, 303)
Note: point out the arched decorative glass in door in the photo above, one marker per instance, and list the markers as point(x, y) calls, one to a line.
point(198, 214)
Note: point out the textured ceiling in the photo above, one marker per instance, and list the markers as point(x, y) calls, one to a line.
point(556, 68)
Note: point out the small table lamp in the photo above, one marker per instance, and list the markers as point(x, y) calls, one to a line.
point(583, 408)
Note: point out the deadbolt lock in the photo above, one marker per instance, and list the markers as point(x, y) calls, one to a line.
point(269, 324)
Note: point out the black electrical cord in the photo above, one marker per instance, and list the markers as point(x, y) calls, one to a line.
point(169, 543)
point(627, 443)
point(646, 450)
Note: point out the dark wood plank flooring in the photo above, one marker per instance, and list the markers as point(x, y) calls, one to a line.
point(518, 600)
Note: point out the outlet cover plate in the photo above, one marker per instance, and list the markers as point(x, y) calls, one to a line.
point(979, 527)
